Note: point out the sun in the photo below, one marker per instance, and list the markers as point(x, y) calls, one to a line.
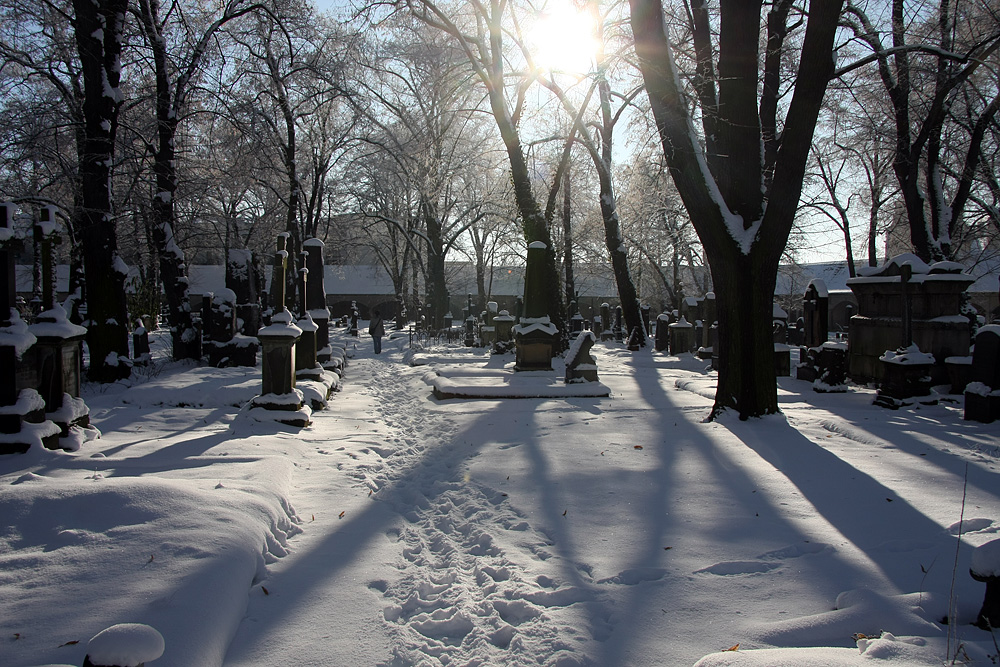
point(563, 39)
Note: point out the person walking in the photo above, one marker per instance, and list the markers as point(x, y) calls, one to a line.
point(376, 329)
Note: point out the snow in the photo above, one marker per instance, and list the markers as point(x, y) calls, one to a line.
point(402, 530)
point(986, 560)
point(125, 644)
point(17, 335)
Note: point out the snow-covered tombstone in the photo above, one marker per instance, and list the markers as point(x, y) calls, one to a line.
point(241, 279)
point(56, 356)
point(982, 394)
point(985, 567)
point(932, 298)
point(316, 297)
point(124, 645)
point(18, 406)
point(279, 400)
point(605, 327)
point(224, 344)
point(535, 336)
point(662, 341)
point(580, 364)
point(681, 337)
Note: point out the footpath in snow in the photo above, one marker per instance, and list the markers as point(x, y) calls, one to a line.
point(400, 529)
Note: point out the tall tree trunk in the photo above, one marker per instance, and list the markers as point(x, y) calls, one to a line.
point(568, 241)
point(99, 27)
point(743, 241)
point(173, 269)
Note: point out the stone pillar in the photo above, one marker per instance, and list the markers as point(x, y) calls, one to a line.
point(316, 298)
point(535, 336)
point(681, 337)
point(57, 353)
point(662, 341)
point(279, 399)
point(605, 332)
point(240, 279)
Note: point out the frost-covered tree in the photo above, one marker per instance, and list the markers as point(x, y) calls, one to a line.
point(99, 27)
point(741, 177)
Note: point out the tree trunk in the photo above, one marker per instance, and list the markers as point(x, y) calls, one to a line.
point(173, 269)
point(568, 242)
point(99, 27)
point(742, 245)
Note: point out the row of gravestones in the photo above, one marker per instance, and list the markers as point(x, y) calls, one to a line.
point(40, 363)
point(300, 364)
point(910, 333)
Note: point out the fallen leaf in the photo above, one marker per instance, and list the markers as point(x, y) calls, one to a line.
point(564, 512)
point(888, 500)
point(342, 515)
point(667, 548)
point(313, 517)
point(637, 447)
point(734, 647)
point(150, 559)
point(17, 635)
point(75, 641)
point(266, 592)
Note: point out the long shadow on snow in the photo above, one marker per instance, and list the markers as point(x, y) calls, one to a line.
point(349, 542)
point(869, 514)
point(644, 601)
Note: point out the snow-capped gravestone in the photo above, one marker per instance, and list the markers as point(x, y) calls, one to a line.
point(315, 383)
point(224, 344)
point(580, 364)
point(782, 354)
point(56, 356)
point(605, 326)
point(661, 343)
point(504, 326)
point(316, 298)
point(982, 394)
point(708, 317)
point(535, 337)
point(985, 567)
point(22, 420)
point(822, 362)
point(937, 325)
point(241, 280)
point(681, 337)
point(124, 645)
point(279, 400)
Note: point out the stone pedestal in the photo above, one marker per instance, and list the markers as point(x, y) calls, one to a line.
point(535, 337)
point(681, 337)
point(906, 375)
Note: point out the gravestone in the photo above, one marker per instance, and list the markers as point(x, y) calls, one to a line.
point(982, 394)
point(933, 299)
point(504, 324)
point(580, 364)
point(141, 355)
point(279, 400)
point(57, 355)
point(20, 410)
point(815, 330)
point(708, 318)
point(906, 371)
point(605, 330)
point(535, 336)
point(619, 328)
point(782, 353)
point(316, 298)
point(661, 343)
point(241, 280)
point(224, 344)
point(681, 337)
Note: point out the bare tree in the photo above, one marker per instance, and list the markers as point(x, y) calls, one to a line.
point(934, 55)
point(741, 180)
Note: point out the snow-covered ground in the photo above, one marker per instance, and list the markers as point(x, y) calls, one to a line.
point(403, 530)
